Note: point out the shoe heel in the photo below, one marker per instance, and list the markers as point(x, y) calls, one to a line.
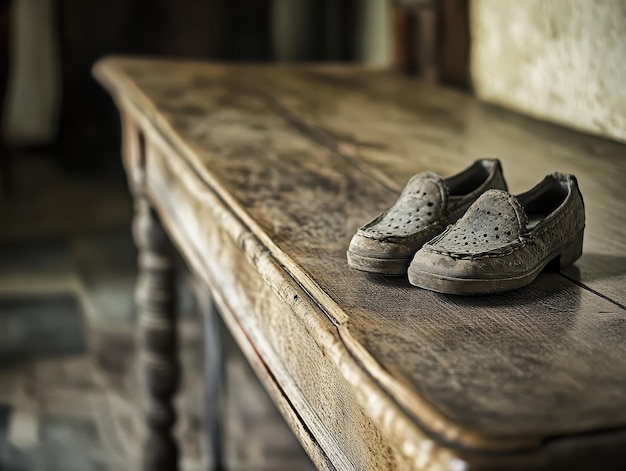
point(572, 251)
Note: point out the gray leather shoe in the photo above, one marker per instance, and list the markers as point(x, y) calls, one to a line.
point(426, 206)
point(503, 242)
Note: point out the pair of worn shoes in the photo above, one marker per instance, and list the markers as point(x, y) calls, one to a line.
point(467, 235)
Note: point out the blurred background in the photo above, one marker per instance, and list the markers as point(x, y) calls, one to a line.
point(52, 44)
point(67, 260)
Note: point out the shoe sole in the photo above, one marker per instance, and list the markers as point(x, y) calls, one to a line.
point(379, 266)
point(477, 286)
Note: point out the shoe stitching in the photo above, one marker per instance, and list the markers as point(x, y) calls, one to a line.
point(494, 253)
point(435, 225)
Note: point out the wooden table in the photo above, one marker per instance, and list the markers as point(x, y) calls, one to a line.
point(261, 174)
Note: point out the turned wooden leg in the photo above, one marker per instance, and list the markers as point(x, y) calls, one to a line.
point(157, 336)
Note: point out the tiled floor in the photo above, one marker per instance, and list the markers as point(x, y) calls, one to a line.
point(68, 393)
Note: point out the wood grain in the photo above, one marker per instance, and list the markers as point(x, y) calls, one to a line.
point(297, 158)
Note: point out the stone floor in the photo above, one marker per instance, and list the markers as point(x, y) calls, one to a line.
point(68, 393)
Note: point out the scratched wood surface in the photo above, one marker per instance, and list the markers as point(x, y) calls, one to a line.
point(301, 156)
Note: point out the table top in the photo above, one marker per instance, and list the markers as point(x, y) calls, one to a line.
point(304, 155)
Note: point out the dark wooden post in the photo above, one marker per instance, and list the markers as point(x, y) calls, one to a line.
point(431, 40)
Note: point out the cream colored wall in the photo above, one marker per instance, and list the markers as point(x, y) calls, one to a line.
point(33, 91)
point(559, 60)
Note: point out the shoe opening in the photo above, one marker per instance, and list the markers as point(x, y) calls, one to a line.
point(542, 200)
point(470, 179)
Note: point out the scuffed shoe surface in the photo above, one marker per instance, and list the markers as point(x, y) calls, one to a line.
point(425, 207)
point(503, 242)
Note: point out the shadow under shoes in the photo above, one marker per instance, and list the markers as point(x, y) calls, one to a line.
point(425, 207)
point(503, 242)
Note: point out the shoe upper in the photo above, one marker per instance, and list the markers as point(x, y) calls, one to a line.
point(503, 235)
point(427, 204)
point(494, 224)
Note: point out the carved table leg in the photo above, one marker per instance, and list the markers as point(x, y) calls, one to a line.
point(158, 346)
